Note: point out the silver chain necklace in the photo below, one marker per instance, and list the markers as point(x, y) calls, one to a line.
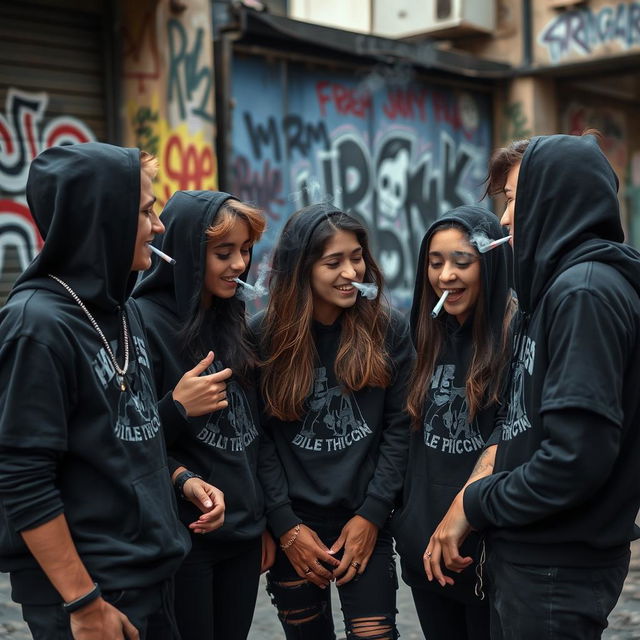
point(121, 372)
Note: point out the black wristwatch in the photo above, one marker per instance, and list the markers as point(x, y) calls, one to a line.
point(178, 483)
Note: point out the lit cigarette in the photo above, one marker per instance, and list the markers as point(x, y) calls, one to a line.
point(438, 308)
point(494, 244)
point(163, 255)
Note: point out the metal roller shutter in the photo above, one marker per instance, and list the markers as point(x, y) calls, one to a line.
point(55, 61)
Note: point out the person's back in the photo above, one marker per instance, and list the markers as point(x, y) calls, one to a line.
point(80, 442)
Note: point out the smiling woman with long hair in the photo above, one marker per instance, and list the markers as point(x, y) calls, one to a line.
point(453, 401)
point(333, 379)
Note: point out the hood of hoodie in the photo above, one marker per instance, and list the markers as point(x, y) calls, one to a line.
point(296, 236)
point(186, 217)
point(494, 271)
point(85, 199)
point(566, 212)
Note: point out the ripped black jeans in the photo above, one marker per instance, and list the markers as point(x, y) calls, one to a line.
point(368, 602)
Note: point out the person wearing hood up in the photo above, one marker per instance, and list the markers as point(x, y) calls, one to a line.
point(196, 323)
point(559, 509)
point(89, 533)
point(333, 380)
point(462, 355)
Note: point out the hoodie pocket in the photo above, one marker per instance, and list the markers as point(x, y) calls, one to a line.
point(157, 517)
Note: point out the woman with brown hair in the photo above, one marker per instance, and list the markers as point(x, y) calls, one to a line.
point(210, 416)
point(332, 380)
point(463, 353)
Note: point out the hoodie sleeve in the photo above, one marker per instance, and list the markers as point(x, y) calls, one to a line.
point(570, 465)
point(278, 510)
point(386, 484)
point(581, 417)
point(280, 515)
point(34, 408)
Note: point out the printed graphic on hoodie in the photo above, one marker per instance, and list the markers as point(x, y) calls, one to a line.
point(232, 428)
point(446, 425)
point(137, 418)
point(517, 421)
point(333, 421)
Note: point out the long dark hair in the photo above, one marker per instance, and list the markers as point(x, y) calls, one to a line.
point(483, 380)
point(287, 340)
point(221, 326)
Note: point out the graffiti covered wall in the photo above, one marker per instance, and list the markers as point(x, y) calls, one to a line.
point(168, 90)
point(25, 131)
point(396, 155)
point(597, 30)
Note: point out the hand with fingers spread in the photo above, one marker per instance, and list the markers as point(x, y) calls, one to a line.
point(210, 500)
point(201, 394)
point(358, 537)
point(444, 545)
point(268, 551)
point(307, 553)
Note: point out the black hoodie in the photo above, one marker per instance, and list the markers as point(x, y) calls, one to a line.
point(348, 453)
point(224, 447)
point(566, 487)
point(70, 440)
point(444, 451)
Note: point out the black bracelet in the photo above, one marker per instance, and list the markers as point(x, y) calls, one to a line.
point(82, 601)
point(179, 482)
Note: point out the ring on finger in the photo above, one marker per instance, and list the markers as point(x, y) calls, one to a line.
point(307, 571)
point(427, 554)
point(355, 565)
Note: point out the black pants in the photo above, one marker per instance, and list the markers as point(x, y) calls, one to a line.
point(305, 610)
point(540, 603)
point(443, 618)
point(149, 610)
point(216, 589)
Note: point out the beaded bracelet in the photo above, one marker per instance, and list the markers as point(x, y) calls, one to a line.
point(291, 540)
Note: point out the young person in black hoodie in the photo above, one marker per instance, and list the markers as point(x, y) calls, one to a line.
point(191, 308)
point(333, 384)
point(87, 501)
point(453, 400)
point(559, 508)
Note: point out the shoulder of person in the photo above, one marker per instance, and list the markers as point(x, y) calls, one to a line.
point(398, 324)
point(32, 310)
point(254, 324)
point(591, 278)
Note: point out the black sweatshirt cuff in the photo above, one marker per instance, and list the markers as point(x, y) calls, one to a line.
point(282, 519)
point(471, 501)
point(173, 417)
point(375, 510)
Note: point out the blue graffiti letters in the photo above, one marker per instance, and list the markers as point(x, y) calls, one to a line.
point(583, 30)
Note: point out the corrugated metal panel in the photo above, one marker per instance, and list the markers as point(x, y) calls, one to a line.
point(55, 49)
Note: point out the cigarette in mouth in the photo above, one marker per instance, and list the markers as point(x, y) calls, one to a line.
point(494, 244)
point(163, 255)
point(438, 307)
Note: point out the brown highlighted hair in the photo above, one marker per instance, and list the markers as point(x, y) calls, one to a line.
point(484, 376)
point(229, 212)
point(290, 355)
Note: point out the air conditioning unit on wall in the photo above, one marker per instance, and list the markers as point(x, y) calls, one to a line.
point(435, 18)
point(350, 15)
